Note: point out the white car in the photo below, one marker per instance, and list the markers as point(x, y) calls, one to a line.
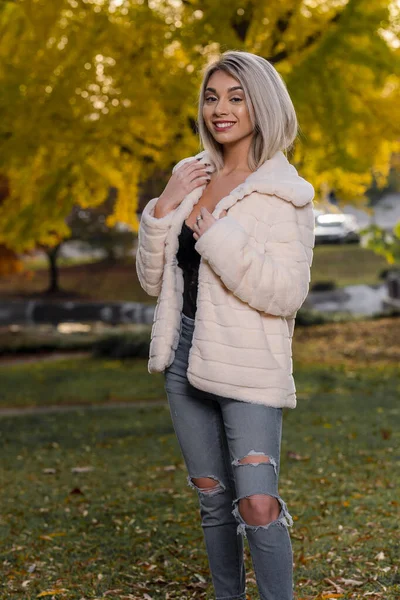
point(335, 228)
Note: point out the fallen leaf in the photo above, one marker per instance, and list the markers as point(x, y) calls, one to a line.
point(295, 456)
point(49, 471)
point(380, 556)
point(351, 581)
point(51, 593)
point(386, 433)
point(81, 469)
point(337, 587)
point(49, 536)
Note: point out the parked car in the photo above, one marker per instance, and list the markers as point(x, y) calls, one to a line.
point(335, 228)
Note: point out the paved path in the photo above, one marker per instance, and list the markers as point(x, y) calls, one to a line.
point(47, 410)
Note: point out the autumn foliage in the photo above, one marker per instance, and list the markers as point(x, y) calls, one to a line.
point(102, 93)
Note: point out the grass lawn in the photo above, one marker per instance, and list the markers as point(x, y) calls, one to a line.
point(86, 380)
point(344, 264)
point(127, 526)
point(95, 504)
point(77, 381)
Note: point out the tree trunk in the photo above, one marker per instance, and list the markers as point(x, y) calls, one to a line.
point(52, 255)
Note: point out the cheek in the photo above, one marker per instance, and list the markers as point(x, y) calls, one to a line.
point(244, 116)
point(206, 111)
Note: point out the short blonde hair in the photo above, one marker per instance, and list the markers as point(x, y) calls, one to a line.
point(270, 107)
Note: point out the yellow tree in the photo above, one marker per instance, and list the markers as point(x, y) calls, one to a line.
point(86, 103)
point(340, 60)
point(102, 92)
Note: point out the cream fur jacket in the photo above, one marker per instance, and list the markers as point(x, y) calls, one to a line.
point(254, 275)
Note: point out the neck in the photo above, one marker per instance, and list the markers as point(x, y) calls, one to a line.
point(236, 156)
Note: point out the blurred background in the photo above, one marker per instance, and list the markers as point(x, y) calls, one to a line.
point(98, 101)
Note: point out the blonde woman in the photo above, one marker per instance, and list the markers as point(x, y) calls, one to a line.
point(227, 248)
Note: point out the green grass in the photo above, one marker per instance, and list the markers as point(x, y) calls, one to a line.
point(78, 381)
point(97, 281)
point(41, 262)
point(130, 526)
point(361, 345)
point(344, 264)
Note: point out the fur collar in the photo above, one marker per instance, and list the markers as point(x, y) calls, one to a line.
point(275, 176)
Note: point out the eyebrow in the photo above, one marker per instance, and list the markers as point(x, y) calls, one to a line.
point(236, 87)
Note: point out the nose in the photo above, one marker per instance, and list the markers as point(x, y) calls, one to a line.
point(221, 107)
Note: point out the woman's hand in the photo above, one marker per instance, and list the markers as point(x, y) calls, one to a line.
point(184, 180)
point(207, 220)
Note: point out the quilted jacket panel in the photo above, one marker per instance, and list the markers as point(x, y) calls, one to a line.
point(254, 275)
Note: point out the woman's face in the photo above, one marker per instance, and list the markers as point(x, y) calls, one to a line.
point(225, 110)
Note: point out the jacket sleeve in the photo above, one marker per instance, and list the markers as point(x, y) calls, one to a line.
point(151, 244)
point(150, 248)
point(275, 281)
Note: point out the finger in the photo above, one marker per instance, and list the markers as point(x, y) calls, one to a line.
point(184, 166)
point(187, 167)
point(203, 175)
point(199, 181)
point(194, 166)
point(204, 211)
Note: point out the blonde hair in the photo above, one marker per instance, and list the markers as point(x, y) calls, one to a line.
point(270, 108)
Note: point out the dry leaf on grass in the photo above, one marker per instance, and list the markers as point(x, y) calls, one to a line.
point(51, 593)
point(82, 469)
point(351, 581)
point(296, 456)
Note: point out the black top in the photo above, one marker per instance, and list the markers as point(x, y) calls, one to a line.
point(189, 260)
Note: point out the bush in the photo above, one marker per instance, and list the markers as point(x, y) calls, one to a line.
point(16, 344)
point(323, 286)
point(306, 317)
point(127, 345)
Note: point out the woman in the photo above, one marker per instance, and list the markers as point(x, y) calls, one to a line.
point(227, 248)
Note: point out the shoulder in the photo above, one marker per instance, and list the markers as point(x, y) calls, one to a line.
point(278, 177)
point(277, 217)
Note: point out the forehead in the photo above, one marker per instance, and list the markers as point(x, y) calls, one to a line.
point(220, 80)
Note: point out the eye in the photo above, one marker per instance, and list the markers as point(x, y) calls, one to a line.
point(237, 99)
point(209, 98)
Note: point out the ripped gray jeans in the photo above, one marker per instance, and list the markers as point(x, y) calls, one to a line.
point(214, 434)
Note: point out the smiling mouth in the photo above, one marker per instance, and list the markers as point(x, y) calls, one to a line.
point(223, 125)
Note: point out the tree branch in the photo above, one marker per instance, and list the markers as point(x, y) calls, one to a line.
point(310, 40)
point(241, 23)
